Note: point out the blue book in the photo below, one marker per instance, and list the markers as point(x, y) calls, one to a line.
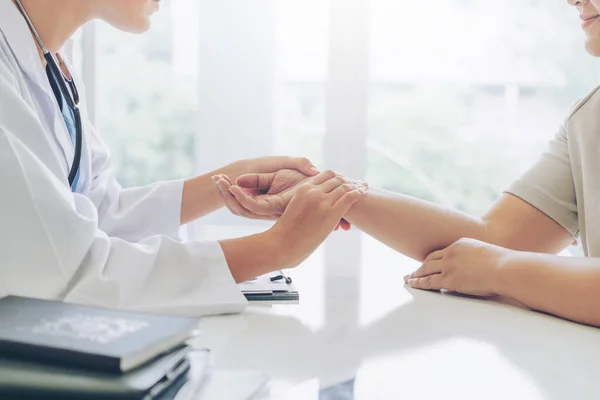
point(90, 338)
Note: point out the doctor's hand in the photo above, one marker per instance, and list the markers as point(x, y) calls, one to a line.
point(468, 267)
point(200, 197)
point(266, 196)
point(312, 214)
point(263, 165)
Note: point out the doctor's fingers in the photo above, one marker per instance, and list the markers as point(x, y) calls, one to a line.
point(330, 180)
point(340, 181)
point(324, 177)
point(336, 189)
point(344, 225)
point(301, 164)
point(227, 178)
point(347, 198)
point(223, 187)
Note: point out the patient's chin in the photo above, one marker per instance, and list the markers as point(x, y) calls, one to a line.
point(592, 45)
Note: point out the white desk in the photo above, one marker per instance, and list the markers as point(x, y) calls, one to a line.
point(357, 319)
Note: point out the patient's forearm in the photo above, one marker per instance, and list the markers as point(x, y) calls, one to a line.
point(411, 226)
point(563, 286)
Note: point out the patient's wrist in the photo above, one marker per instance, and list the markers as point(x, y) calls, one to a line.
point(234, 171)
point(357, 208)
point(509, 273)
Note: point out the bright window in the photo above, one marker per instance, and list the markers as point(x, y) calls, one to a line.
point(449, 102)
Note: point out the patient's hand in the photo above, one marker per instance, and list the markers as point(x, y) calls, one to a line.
point(262, 196)
point(265, 196)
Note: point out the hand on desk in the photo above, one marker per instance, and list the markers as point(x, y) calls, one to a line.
point(267, 195)
point(468, 267)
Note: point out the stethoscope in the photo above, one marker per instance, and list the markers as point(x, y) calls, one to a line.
point(71, 96)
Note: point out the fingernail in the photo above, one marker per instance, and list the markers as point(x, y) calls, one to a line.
point(314, 170)
point(214, 178)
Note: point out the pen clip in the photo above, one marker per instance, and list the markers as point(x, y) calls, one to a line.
point(276, 277)
point(280, 276)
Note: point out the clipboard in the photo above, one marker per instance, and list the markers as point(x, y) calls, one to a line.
point(263, 289)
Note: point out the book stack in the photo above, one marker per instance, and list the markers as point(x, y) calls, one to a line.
point(55, 350)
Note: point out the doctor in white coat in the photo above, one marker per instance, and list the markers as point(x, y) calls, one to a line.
point(68, 231)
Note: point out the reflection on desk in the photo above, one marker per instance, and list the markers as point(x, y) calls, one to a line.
point(357, 321)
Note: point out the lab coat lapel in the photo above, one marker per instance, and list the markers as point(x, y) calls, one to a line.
point(23, 46)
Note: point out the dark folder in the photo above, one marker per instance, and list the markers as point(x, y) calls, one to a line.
point(27, 380)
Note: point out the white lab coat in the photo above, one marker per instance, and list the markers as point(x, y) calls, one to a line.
point(103, 245)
